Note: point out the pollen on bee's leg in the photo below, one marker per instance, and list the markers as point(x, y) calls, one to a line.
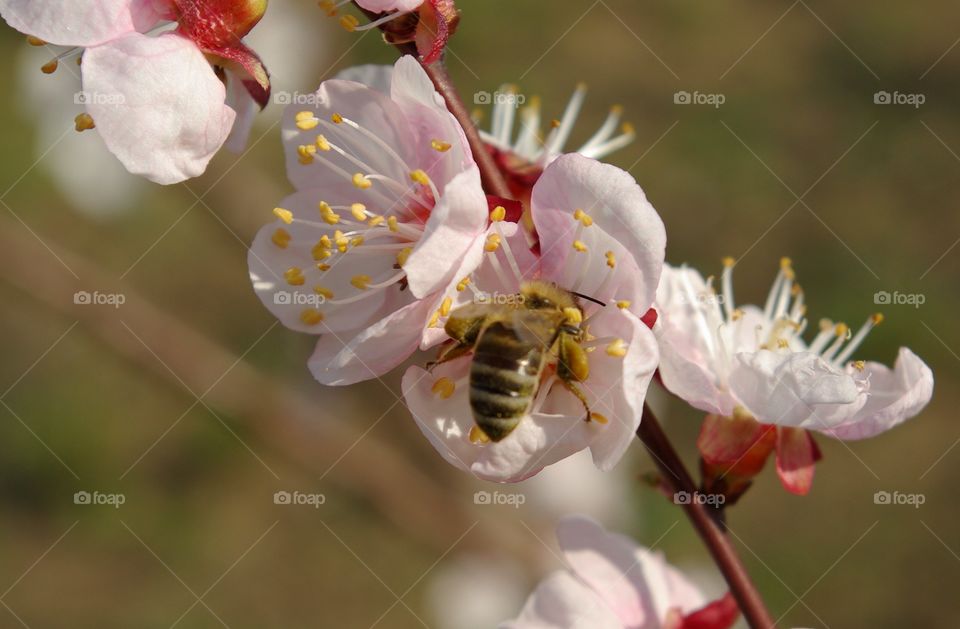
point(477, 436)
point(443, 387)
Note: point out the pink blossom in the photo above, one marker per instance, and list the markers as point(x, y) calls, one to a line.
point(387, 210)
point(611, 583)
point(147, 77)
point(599, 236)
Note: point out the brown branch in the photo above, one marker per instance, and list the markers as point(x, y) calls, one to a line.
point(722, 551)
point(493, 180)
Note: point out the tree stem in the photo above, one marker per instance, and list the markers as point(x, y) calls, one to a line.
point(722, 551)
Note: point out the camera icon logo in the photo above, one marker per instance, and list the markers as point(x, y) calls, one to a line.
point(82, 498)
point(281, 498)
point(482, 498)
point(282, 98)
point(682, 98)
point(482, 98)
point(882, 297)
point(882, 498)
point(283, 298)
point(682, 498)
point(882, 98)
point(82, 298)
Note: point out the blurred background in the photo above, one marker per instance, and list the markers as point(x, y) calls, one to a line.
point(188, 404)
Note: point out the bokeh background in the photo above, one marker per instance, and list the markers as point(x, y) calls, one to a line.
point(195, 406)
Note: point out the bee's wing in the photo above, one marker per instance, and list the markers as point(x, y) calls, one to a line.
point(537, 326)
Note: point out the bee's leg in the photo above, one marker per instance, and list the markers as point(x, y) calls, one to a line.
point(450, 352)
point(573, 388)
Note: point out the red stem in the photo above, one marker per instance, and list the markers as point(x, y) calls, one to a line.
point(722, 551)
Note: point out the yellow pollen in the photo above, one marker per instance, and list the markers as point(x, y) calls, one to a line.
point(325, 242)
point(444, 387)
point(50, 67)
point(498, 214)
point(392, 223)
point(477, 436)
point(877, 319)
point(327, 213)
point(611, 259)
point(359, 211)
point(439, 145)
point(284, 215)
point(294, 276)
point(322, 143)
point(320, 252)
point(600, 419)
point(623, 304)
point(83, 122)
point(492, 244)
point(349, 23)
point(306, 124)
point(573, 315)
point(859, 365)
point(341, 241)
point(842, 329)
point(445, 306)
point(403, 255)
point(35, 41)
point(311, 316)
point(325, 292)
point(579, 246)
point(434, 319)
point(361, 181)
point(281, 238)
point(306, 153)
point(729, 261)
point(360, 281)
point(462, 284)
point(420, 177)
point(376, 220)
point(617, 349)
point(336, 118)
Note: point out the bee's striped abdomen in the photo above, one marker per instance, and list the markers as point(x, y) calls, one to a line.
point(504, 376)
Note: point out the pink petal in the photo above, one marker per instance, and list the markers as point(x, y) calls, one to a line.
point(341, 359)
point(797, 453)
point(372, 75)
point(894, 396)
point(240, 101)
point(79, 23)
point(619, 209)
point(561, 602)
point(171, 118)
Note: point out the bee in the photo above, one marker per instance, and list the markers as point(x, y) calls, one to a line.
point(512, 345)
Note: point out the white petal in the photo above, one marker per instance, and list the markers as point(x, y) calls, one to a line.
point(372, 75)
point(73, 23)
point(562, 602)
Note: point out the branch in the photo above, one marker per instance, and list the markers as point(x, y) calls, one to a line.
point(722, 551)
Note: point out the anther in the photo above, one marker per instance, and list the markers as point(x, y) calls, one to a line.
point(294, 276)
point(579, 246)
point(322, 143)
point(440, 146)
point(359, 211)
point(349, 23)
point(600, 419)
point(445, 306)
point(492, 244)
point(326, 293)
point(311, 316)
point(420, 177)
point(281, 238)
point(83, 122)
point(361, 181)
point(617, 349)
point(360, 281)
point(403, 255)
point(611, 259)
point(50, 67)
point(623, 304)
point(284, 215)
point(498, 214)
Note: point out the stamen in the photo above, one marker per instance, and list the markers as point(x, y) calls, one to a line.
point(856, 341)
point(311, 316)
point(284, 215)
point(361, 181)
point(403, 255)
point(611, 259)
point(498, 214)
point(361, 282)
point(294, 276)
point(617, 349)
point(440, 146)
point(579, 246)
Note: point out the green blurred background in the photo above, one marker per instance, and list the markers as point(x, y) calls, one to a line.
point(190, 402)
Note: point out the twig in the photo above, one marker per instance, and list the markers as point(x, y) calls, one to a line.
point(722, 551)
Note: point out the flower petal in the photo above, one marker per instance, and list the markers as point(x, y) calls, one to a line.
point(894, 396)
point(618, 207)
point(169, 118)
point(72, 23)
point(561, 601)
point(797, 453)
point(372, 75)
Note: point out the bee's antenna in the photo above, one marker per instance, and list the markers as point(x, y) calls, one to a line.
point(589, 298)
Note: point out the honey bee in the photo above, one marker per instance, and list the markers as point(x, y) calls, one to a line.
point(512, 345)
